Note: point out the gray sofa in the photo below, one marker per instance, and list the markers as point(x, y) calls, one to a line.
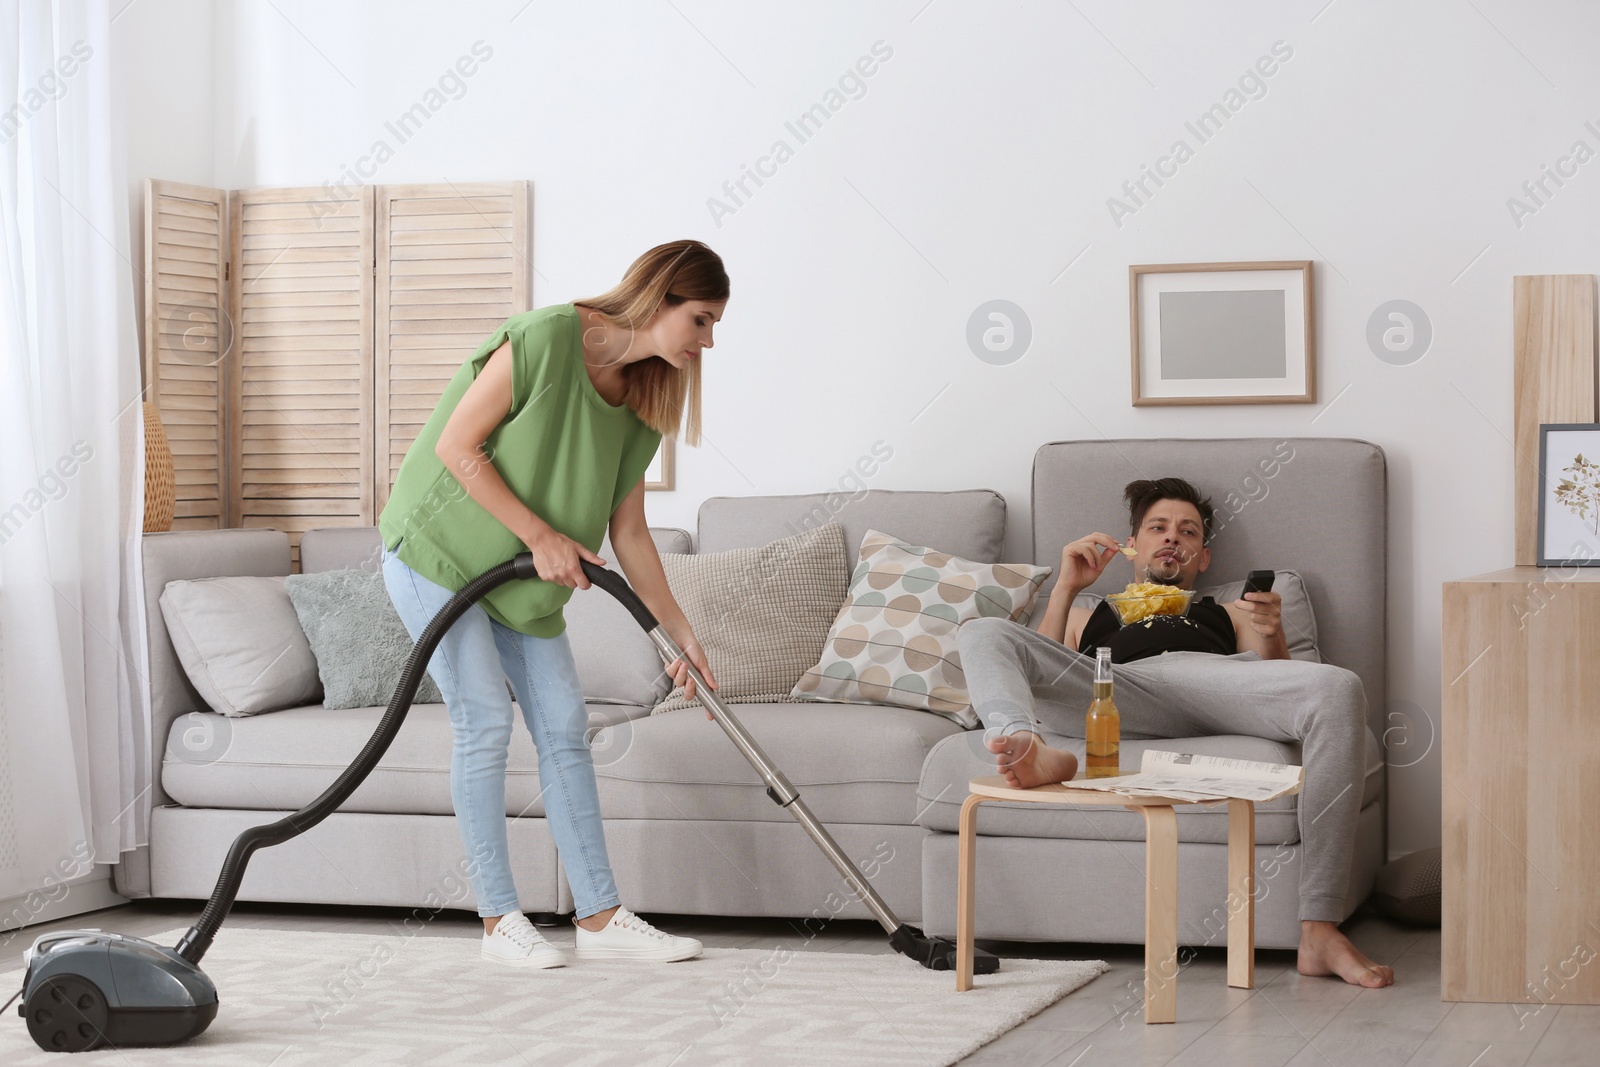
point(689, 827)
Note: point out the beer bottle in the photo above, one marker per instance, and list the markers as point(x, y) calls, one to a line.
point(1103, 727)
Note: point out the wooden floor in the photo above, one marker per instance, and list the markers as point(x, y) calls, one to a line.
point(1287, 1019)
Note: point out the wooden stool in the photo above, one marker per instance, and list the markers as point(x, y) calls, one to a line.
point(1160, 891)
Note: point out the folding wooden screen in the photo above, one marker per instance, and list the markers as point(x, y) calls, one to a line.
point(300, 439)
point(186, 339)
point(296, 339)
point(452, 265)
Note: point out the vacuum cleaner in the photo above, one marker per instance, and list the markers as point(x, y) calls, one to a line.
point(85, 989)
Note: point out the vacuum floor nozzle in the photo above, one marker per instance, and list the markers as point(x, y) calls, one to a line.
point(939, 953)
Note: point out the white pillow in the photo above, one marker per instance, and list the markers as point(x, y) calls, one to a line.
point(241, 644)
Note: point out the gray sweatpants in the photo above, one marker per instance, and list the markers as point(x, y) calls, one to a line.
point(1019, 679)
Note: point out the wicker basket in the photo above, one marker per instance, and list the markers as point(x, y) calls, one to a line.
point(160, 483)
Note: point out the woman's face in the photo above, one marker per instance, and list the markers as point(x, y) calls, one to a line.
point(682, 331)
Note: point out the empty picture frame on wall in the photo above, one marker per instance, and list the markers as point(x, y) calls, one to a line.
point(1222, 333)
point(1569, 494)
point(659, 474)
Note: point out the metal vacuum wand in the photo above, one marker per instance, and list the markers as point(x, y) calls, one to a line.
point(778, 786)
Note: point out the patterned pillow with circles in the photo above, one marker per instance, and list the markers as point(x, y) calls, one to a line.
point(894, 640)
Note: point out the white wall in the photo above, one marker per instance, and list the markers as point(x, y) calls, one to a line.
point(977, 164)
point(162, 69)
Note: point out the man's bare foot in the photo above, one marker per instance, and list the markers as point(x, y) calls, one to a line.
point(1326, 952)
point(1026, 761)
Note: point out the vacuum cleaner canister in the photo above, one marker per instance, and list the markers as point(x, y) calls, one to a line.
point(87, 988)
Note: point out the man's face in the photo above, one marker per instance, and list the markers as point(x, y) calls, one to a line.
point(1171, 544)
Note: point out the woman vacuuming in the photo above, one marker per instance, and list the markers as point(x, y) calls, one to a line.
point(539, 441)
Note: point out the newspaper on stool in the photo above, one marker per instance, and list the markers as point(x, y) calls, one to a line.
point(1186, 776)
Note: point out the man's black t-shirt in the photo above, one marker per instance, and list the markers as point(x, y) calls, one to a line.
point(1207, 628)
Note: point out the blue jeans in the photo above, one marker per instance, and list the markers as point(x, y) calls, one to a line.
point(470, 666)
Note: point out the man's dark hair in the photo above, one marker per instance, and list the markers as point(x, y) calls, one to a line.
point(1140, 495)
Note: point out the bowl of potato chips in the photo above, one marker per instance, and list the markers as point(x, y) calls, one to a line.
point(1141, 600)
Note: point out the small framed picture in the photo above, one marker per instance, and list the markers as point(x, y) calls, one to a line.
point(659, 474)
point(1222, 333)
point(1569, 494)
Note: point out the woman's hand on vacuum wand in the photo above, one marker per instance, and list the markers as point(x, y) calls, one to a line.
point(679, 670)
point(558, 557)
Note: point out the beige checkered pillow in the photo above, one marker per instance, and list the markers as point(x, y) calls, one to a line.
point(894, 641)
point(761, 614)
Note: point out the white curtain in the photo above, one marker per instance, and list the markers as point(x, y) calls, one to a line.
point(74, 769)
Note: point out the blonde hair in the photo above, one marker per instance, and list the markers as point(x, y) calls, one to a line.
point(668, 274)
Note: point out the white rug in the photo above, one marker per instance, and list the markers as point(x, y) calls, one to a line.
point(290, 999)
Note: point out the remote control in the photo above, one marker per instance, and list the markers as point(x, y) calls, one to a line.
point(1258, 582)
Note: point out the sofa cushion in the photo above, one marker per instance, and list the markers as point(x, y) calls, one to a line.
point(955, 761)
point(894, 641)
point(281, 762)
point(617, 664)
point(967, 522)
point(852, 763)
point(356, 634)
point(240, 643)
point(338, 548)
point(182, 555)
point(761, 614)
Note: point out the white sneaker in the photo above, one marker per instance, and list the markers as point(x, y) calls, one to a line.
point(516, 943)
point(628, 937)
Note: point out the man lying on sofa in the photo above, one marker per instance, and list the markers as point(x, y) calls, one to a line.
point(1222, 669)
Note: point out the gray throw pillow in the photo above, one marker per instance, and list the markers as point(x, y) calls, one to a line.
point(360, 644)
point(761, 614)
point(1299, 624)
point(240, 644)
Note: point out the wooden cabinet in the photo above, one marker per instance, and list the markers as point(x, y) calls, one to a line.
point(1521, 787)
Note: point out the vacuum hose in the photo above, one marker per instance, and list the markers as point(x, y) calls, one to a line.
point(194, 944)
